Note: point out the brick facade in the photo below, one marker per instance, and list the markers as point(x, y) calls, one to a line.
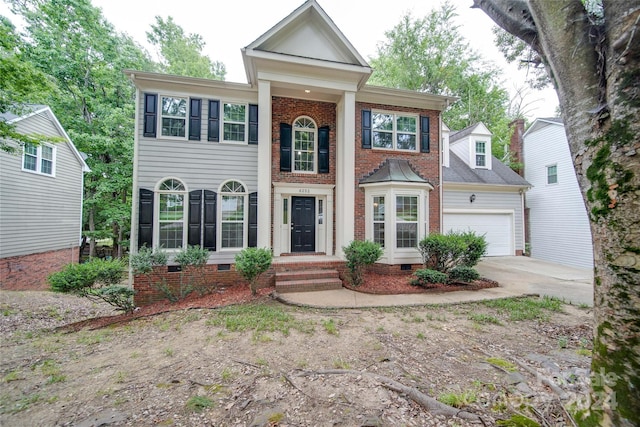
point(427, 165)
point(30, 272)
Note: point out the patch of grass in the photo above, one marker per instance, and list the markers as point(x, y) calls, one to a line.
point(168, 352)
point(583, 306)
point(341, 364)
point(51, 370)
point(563, 342)
point(20, 405)
point(120, 377)
point(484, 319)
point(135, 355)
point(13, 376)
point(529, 308)
point(420, 336)
point(584, 352)
point(227, 375)
point(261, 362)
point(275, 418)
point(192, 316)
point(258, 318)
point(330, 327)
point(458, 400)
point(518, 420)
point(199, 403)
point(91, 338)
point(504, 364)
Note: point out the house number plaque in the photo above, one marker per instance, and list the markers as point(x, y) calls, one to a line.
point(304, 190)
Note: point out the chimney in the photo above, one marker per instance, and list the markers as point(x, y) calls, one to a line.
point(515, 146)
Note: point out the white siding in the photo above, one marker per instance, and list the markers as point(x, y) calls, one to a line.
point(199, 164)
point(461, 149)
point(40, 213)
point(559, 226)
point(486, 202)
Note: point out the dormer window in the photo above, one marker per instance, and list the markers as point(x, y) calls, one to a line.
point(481, 154)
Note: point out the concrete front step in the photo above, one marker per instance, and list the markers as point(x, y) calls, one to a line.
point(307, 281)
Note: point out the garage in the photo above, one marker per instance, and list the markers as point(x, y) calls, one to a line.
point(496, 227)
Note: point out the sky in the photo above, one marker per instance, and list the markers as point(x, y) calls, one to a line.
point(229, 25)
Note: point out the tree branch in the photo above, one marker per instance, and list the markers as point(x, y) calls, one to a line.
point(514, 16)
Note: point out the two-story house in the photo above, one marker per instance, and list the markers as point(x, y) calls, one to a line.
point(302, 159)
point(41, 193)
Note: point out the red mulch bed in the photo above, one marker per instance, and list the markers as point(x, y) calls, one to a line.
point(374, 283)
point(392, 284)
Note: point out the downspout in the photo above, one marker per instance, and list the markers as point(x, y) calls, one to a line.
point(440, 154)
point(524, 222)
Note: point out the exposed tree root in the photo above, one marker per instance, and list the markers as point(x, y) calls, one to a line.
point(429, 403)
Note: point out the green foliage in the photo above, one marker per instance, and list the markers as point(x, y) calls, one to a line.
point(251, 263)
point(97, 279)
point(462, 273)
point(360, 254)
point(426, 277)
point(525, 308)
point(194, 256)
point(442, 252)
point(458, 400)
point(430, 55)
point(182, 53)
point(199, 403)
point(146, 259)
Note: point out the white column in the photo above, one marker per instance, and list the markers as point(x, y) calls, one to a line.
point(264, 164)
point(345, 171)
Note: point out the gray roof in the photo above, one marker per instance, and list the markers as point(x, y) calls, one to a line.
point(23, 110)
point(553, 119)
point(500, 174)
point(394, 170)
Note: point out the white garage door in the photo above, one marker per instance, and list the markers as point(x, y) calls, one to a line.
point(496, 228)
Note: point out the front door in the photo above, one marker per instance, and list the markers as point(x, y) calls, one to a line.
point(303, 224)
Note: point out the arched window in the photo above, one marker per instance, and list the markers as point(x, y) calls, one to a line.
point(233, 215)
point(304, 145)
point(171, 214)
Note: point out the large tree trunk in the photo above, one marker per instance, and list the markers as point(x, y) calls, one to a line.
point(595, 65)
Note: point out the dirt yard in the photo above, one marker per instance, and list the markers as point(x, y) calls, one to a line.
point(262, 363)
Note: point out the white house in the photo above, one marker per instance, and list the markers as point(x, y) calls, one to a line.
point(41, 188)
point(559, 224)
point(480, 193)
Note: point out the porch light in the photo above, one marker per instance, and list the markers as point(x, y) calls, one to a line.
point(307, 91)
point(472, 198)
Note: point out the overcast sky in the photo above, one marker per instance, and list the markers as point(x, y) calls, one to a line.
point(229, 25)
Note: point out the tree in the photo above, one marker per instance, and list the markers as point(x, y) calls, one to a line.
point(72, 43)
point(592, 54)
point(21, 83)
point(430, 55)
point(181, 54)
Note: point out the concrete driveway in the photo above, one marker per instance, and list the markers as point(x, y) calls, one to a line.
point(534, 276)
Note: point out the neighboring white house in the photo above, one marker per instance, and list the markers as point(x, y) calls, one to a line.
point(41, 189)
point(480, 193)
point(559, 225)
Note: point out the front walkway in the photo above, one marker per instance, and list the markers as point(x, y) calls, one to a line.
point(517, 276)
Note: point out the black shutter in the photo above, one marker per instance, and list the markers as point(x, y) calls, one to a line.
point(214, 121)
point(366, 129)
point(253, 124)
point(323, 149)
point(424, 134)
point(195, 218)
point(145, 218)
point(253, 220)
point(150, 115)
point(209, 241)
point(285, 147)
point(195, 112)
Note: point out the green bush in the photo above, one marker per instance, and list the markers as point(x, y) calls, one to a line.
point(442, 252)
point(145, 259)
point(426, 277)
point(359, 254)
point(96, 279)
point(463, 273)
point(251, 263)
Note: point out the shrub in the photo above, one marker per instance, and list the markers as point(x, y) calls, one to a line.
point(476, 248)
point(145, 259)
point(251, 263)
point(463, 273)
point(360, 254)
point(96, 279)
point(426, 277)
point(192, 260)
point(442, 252)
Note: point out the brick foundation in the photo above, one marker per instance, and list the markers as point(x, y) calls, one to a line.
point(30, 272)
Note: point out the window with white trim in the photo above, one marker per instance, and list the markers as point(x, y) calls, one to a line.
point(233, 215)
point(304, 145)
point(394, 131)
point(173, 116)
point(171, 214)
point(481, 154)
point(406, 221)
point(552, 174)
point(378, 220)
point(234, 122)
point(38, 158)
